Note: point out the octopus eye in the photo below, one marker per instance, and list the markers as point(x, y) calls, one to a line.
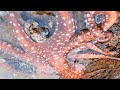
point(100, 18)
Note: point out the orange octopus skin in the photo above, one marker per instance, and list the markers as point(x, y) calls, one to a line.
point(109, 20)
point(55, 49)
point(111, 17)
point(98, 33)
point(49, 51)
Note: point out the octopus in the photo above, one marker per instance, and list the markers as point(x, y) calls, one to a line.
point(53, 51)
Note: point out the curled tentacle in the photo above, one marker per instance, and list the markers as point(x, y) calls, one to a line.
point(97, 49)
point(109, 36)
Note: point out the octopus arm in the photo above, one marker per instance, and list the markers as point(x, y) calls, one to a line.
point(64, 28)
point(97, 49)
point(109, 36)
point(83, 37)
point(92, 56)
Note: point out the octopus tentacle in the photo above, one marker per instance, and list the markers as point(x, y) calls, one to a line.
point(77, 42)
point(65, 28)
point(109, 36)
point(83, 37)
point(92, 56)
point(94, 47)
point(62, 34)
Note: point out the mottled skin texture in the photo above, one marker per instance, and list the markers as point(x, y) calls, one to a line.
point(53, 51)
point(98, 33)
point(50, 51)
